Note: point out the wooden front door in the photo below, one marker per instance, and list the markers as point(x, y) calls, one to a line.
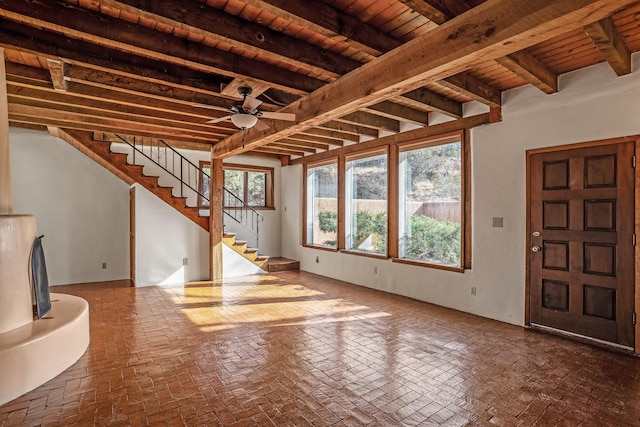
point(581, 265)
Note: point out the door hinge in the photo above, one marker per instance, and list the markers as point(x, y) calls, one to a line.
point(634, 240)
point(633, 161)
point(634, 318)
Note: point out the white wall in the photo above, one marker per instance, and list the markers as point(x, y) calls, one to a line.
point(80, 207)
point(592, 104)
point(164, 238)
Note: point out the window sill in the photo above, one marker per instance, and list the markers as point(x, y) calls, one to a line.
point(367, 254)
point(322, 248)
point(428, 265)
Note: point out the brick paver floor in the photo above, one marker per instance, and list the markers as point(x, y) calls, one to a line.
point(298, 349)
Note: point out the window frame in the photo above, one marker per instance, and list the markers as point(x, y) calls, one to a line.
point(361, 155)
point(465, 192)
point(246, 169)
point(393, 148)
point(305, 195)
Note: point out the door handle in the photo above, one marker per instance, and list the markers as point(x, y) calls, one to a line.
point(536, 249)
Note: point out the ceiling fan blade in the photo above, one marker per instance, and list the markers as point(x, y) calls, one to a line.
point(219, 119)
point(278, 116)
point(260, 126)
point(251, 103)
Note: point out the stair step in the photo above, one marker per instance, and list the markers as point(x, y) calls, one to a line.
point(251, 254)
point(282, 264)
point(239, 246)
point(262, 261)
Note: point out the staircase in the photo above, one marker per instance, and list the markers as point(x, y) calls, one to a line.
point(97, 146)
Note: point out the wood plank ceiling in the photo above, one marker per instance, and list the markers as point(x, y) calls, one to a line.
point(145, 68)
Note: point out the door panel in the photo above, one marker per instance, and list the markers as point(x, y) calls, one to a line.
point(582, 254)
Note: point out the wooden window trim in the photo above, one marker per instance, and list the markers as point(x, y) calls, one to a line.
point(393, 150)
point(361, 155)
point(463, 137)
point(363, 253)
point(305, 172)
point(320, 247)
point(269, 183)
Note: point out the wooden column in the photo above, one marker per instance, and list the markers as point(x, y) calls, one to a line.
point(216, 228)
point(6, 194)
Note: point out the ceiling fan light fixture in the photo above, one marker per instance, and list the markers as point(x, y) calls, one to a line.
point(244, 121)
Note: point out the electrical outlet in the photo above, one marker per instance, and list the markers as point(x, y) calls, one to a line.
point(104, 265)
point(498, 221)
point(185, 261)
point(473, 290)
point(317, 260)
point(375, 270)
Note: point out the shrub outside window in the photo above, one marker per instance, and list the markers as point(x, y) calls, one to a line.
point(366, 193)
point(430, 203)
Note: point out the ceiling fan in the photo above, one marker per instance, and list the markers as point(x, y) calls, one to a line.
point(246, 114)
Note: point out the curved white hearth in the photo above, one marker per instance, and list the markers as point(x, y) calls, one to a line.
point(33, 351)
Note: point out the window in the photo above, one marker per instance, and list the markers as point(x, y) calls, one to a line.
point(252, 185)
point(321, 222)
point(204, 184)
point(430, 202)
point(408, 201)
point(366, 203)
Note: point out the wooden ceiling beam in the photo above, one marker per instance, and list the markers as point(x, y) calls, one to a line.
point(296, 143)
point(281, 151)
point(160, 107)
point(607, 39)
point(103, 79)
point(135, 39)
point(342, 126)
point(400, 112)
point(87, 125)
point(330, 22)
point(433, 101)
point(57, 70)
point(119, 124)
point(214, 24)
point(288, 147)
point(532, 71)
point(313, 138)
point(36, 98)
point(475, 89)
point(76, 52)
point(374, 121)
point(489, 31)
point(37, 94)
point(337, 136)
point(438, 11)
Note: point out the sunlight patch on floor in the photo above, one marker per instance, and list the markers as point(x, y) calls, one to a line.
point(261, 299)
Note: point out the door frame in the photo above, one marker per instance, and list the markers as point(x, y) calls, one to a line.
point(597, 143)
